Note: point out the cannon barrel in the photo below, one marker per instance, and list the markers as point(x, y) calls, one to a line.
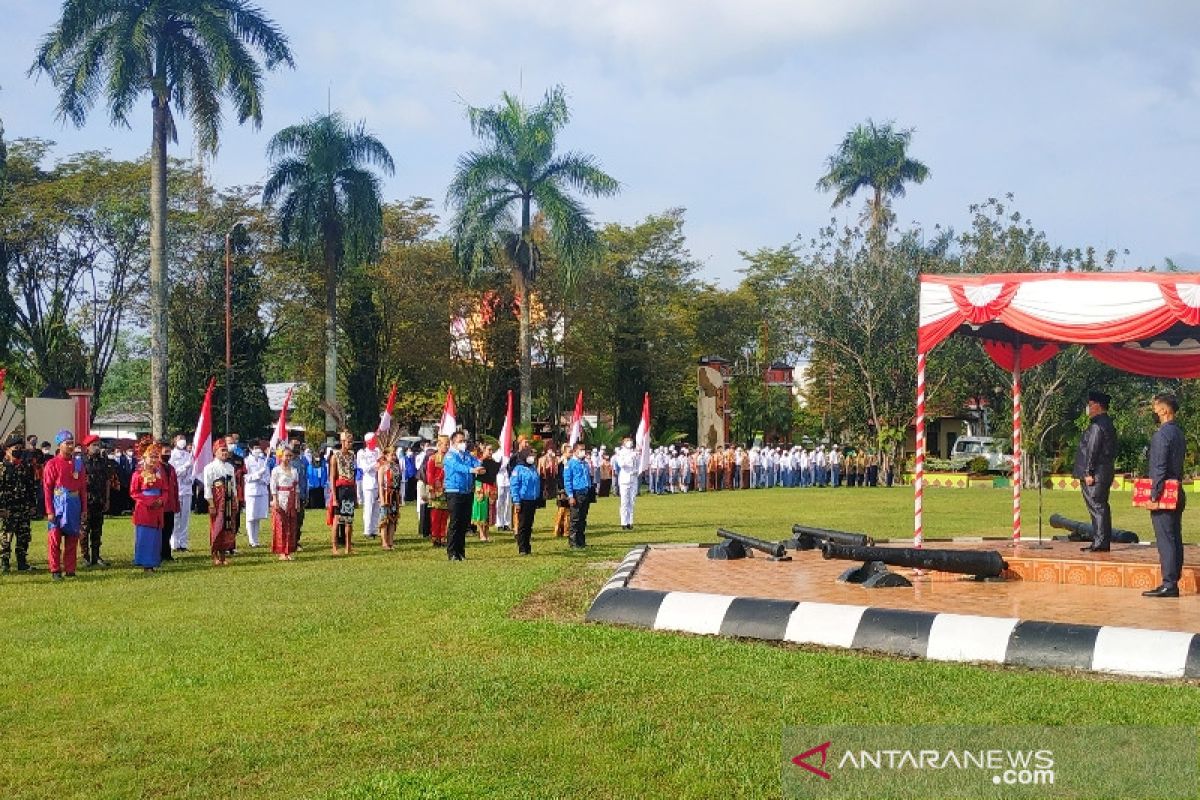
point(807, 537)
point(981, 563)
point(1085, 532)
point(770, 548)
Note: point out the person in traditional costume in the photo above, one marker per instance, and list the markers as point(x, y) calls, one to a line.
point(220, 490)
point(345, 493)
point(435, 484)
point(149, 488)
point(483, 507)
point(285, 504)
point(391, 494)
point(64, 486)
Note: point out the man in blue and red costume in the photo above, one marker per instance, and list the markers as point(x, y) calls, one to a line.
point(64, 483)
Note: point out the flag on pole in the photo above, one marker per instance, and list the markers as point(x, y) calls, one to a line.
point(576, 421)
point(449, 423)
point(506, 435)
point(280, 434)
point(385, 419)
point(642, 442)
point(202, 446)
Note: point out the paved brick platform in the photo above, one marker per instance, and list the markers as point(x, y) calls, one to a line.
point(1087, 627)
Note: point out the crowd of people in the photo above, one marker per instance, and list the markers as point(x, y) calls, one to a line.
point(682, 469)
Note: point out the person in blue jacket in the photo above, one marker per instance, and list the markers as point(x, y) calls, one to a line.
point(577, 483)
point(526, 490)
point(461, 468)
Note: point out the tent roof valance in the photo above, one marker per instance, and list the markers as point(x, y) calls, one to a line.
point(1146, 323)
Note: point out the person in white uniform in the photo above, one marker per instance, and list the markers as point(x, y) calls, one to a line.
point(627, 463)
point(503, 493)
point(368, 462)
point(181, 460)
point(258, 491)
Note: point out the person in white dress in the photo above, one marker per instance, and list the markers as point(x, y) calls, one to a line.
point(258, 492)
point(368, 465)
point(627, 463)
point(181, 460)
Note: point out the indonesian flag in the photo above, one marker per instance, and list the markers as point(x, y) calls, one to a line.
point(506, 435)
point(280, 433)
point(385, 419)
point(202, 444)
point(642, 440)
point(449, 423)
point(3, 372)
point(576, 421)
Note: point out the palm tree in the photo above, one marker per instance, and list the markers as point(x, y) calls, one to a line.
point(191, 53)
point(494, 193)
point(875, 157)
point(330, 206)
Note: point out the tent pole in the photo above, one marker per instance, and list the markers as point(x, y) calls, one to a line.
point(1016, 444)
point(919, 463)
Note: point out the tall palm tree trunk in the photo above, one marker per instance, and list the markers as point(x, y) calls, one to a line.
point(158, 270)
point(330, 333)
point(523, 343)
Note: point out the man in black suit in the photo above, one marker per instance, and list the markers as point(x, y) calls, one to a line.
point(1167, 448)
point(1094, 469)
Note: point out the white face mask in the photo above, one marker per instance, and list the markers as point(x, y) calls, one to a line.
point(461, 447)
point(257, 451)
point(181, 443)
point(628, 445)
point(530, 460)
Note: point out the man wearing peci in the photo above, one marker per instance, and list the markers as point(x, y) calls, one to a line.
point(1094, 469)
point(1167, 448)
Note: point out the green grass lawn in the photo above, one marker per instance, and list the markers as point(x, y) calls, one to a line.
point(402, 675)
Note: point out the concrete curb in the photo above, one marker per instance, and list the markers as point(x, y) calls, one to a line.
point(922, 634)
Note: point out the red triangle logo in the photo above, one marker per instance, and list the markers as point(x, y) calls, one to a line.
point(800, 760)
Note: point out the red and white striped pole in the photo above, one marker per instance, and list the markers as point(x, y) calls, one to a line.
point(1016, 441)
point(919, 463)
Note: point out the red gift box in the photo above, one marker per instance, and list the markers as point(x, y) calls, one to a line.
point(1141, 493)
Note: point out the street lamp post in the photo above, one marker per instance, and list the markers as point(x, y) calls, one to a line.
point(229, 323)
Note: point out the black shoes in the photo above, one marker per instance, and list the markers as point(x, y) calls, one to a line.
point(1093, 548)
point(1162, 591)
point(56, 576)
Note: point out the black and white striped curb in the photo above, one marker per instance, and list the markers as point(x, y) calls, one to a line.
point(937, 636)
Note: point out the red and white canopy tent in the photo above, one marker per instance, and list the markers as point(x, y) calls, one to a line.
point(1145, 323)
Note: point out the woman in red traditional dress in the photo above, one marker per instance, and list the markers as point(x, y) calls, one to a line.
point(224, 512)
point(148, 488)
point(435, 484)
point(285, 486)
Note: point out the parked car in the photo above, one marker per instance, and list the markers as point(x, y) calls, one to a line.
point(967, 448)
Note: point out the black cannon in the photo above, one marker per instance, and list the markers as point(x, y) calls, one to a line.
point(1083, 531)
point(874, 571)
point(806, 537)
point(735, 545)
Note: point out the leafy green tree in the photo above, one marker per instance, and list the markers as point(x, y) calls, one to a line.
point(186, 53)
point(329, 208)
point(873, 157)
point(496, 191)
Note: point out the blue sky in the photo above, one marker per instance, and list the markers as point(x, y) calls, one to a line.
point(1087, 111)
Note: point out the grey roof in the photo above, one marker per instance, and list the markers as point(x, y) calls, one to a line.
point(276, 392)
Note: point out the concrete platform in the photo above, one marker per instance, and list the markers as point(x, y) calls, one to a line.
point(1030, 623)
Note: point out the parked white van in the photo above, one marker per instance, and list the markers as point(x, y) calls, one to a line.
point(969, 447)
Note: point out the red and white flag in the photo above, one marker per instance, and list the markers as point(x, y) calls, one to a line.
point(3, 373)
point(385, 419)
point(280, 433)
point(576, 422)
point(506, 435)
point(202, 443)
point(642, 440)
point(449, 423)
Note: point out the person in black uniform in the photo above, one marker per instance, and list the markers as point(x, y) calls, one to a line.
point(1094, 469)
point(1167, 448)
point(18, 497)
point(99, 471)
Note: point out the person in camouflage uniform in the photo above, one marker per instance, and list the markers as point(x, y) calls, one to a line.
point(18, 499)
point(99, 473)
